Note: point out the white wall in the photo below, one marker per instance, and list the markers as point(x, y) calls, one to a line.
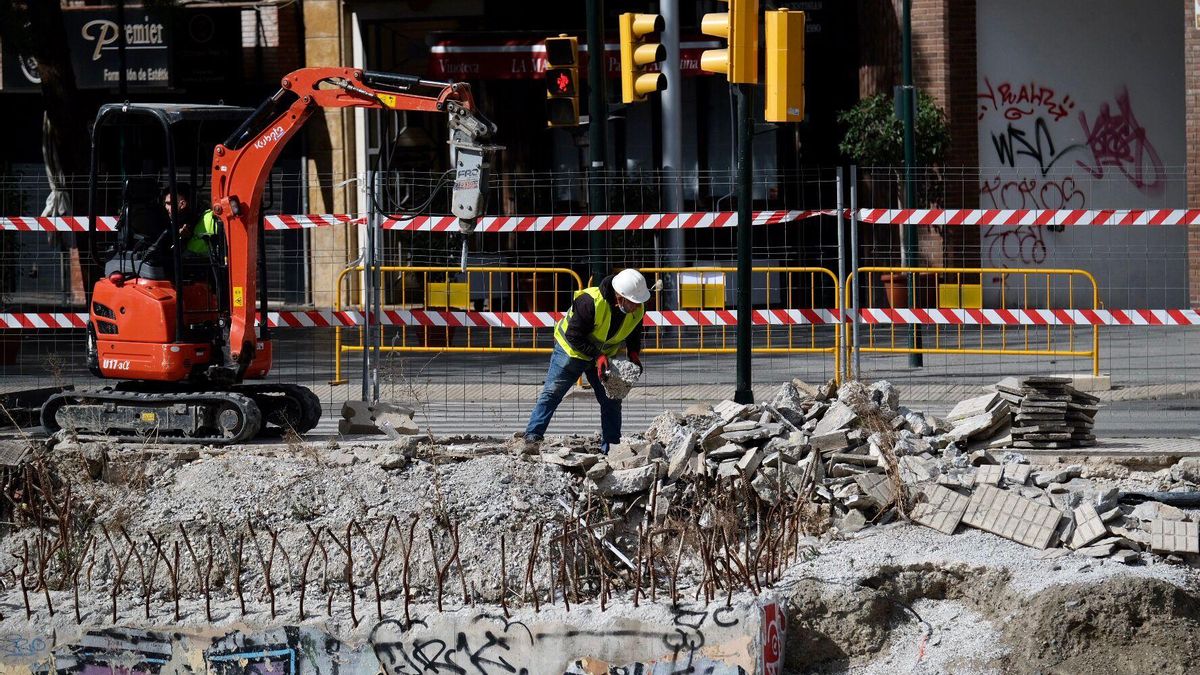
point(1089, 96)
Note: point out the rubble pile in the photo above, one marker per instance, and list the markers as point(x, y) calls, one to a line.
point(862, 458)
point(1049, 413)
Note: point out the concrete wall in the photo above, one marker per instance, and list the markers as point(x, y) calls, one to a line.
point(744, 638)
point(1081, 105)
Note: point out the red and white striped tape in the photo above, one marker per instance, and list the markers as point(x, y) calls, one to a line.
point(567, 223)
point(1033, 317)
point(600, 223)
point(667, 221)
point(55, 224)
point(776, 317)
point(1031, 216)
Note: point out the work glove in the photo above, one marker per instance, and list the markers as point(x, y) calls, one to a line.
point(636, 359)
point(602, 367)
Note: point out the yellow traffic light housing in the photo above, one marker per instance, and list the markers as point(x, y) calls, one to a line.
point(562, 81)
point(739, 26)
point(785, 66)
point(638, 53)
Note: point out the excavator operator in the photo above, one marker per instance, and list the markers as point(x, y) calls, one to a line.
point(193, 231)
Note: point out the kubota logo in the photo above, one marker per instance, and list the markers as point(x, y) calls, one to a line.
point(114, 364)
point(269, 137)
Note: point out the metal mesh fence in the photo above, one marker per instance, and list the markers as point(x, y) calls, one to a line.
point(485, 377)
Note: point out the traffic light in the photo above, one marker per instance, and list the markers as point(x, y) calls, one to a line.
point(739, 26)
point(785, 66)
point(562, 81)
point(638, 53)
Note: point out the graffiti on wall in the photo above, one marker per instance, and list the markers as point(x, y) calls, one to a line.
point(1048, 154)
point(713, 640)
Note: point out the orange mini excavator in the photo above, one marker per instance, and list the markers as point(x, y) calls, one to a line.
point(182, 339)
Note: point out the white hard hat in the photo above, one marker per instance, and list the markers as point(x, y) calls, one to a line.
point(632, 285)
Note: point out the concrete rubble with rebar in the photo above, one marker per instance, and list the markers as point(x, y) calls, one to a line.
point(883, 534)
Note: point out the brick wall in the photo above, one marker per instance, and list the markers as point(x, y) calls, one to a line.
point(944, 66)
point(1191, 60)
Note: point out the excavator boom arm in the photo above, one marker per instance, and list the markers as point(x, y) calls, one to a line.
point(242, 165)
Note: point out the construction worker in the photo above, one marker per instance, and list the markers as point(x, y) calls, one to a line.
point(601, 319)
point(194, 232)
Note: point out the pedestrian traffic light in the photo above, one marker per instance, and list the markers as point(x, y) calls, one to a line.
point(562, 81)
point(638, 54)
point(739, 26)
point(785, 66)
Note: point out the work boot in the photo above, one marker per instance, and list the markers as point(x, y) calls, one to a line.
point(532, 443)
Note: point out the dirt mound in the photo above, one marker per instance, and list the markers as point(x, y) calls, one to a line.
point(1123, 625)
point(915, 616)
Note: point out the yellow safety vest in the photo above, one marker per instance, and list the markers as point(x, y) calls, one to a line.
point(207, 227)
point(600, 330)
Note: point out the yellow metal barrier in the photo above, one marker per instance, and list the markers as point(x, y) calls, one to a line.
point(784, 288)
point(962, 287)
point(499, 289)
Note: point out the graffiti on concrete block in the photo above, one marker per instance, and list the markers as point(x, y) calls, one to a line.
point(112, 651)
point(717, 640)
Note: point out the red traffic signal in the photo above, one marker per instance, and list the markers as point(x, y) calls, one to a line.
point(560, 81)
point(562, 87)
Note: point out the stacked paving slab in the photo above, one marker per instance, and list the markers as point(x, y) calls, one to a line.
point(1050, 414)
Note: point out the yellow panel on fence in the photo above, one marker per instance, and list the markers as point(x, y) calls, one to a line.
point(701, 290)
point(785, 289)
point(452, 294)
point(960, 296)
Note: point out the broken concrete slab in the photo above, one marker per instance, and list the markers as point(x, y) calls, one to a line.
point(360, 417)
point(766, 485)
point(915, 469)
point(627, 481)
point(879, 488)
point(839, 416)
point(853, 521)
point(1088, 526)
point(1174, 536)
point(570, 460)
point(983, 425)
point(1017, 474)
point(729, 410)
point(1044, 478)
point(973, 407)
point(939, 508)
point(623, 375)
point(834, 441)
point(748, 463)
point(1011, 516)
point(989, 474)
point(728, 469)
point(679, 451)
point(1156, 511)
point(726, 452)
point(1126, 557)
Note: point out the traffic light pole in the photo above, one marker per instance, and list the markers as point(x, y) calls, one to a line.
point(744, 392)
point(597, 134)
point(915, 360)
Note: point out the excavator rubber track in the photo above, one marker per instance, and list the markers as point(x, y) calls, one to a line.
point(209, 417)
point(290, 407)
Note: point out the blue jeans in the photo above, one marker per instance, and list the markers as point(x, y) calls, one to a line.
point(561, 375)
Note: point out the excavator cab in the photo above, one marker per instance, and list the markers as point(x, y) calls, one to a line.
point(154, 312)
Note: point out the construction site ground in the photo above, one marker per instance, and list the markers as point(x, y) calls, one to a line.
point(887, 595)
